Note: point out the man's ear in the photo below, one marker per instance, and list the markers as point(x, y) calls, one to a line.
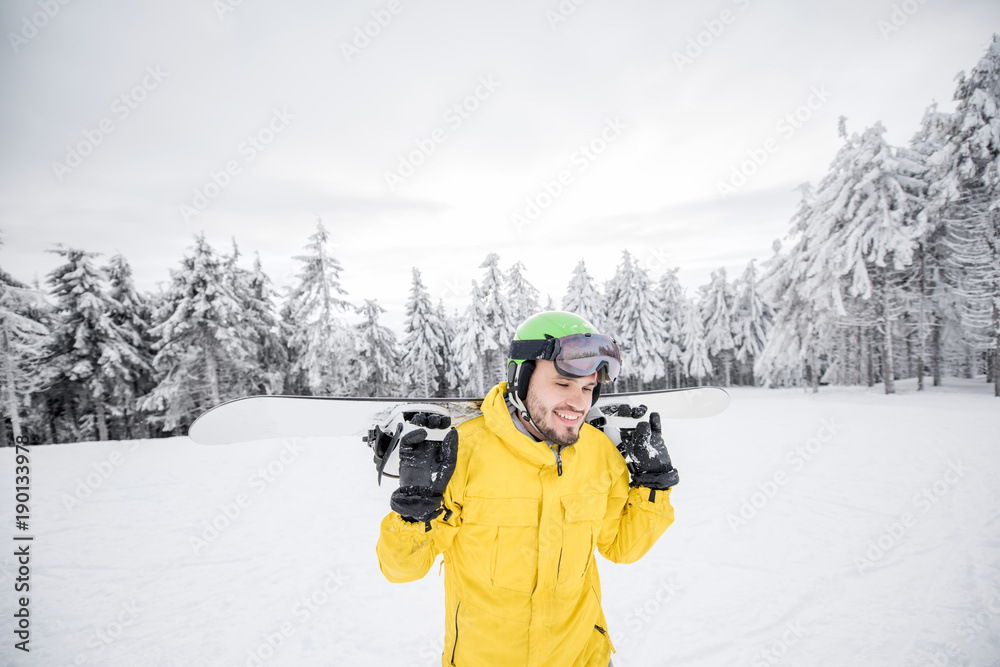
point(522, 378)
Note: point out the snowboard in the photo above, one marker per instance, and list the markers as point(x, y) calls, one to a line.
point(269, 417)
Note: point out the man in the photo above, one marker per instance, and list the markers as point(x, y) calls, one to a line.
point(518, 499)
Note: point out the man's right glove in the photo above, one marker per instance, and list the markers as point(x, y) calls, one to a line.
point(647, 457)
point(425, 468)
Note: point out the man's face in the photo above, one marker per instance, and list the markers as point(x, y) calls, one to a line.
point(558, 404)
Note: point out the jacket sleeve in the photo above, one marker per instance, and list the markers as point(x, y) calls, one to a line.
point(635, 519)
point(407, 550)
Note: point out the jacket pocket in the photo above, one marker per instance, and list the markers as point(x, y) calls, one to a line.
point(501, 537)
point(582, 516)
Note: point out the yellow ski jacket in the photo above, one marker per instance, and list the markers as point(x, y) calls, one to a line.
point(518, 539)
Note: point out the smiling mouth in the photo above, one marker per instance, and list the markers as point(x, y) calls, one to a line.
point(568, 416)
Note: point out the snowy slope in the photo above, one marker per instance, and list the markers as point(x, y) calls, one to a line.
point(844, 528)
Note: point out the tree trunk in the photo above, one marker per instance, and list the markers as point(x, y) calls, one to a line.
point(74, 425)
point(908, 351)
point(8, 367)
point(887, 361)
point(936, 350)
point(995, 248)
point(863, 369)
point(921, 323)
point(996, 347)
point(127, 424)
point(49, 422)
point(102, 420)
point(814, 371)
point(212, 370)
point(858, 367)
point(845, 357)
point(869, 359)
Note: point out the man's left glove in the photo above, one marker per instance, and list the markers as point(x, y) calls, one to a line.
point(647, 457)
point(425, 468)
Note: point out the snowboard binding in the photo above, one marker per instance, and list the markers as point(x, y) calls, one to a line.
point(384, 435)
point(617, 421)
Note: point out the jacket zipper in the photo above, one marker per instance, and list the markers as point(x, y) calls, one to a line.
point(455, 646)
point(558, 461)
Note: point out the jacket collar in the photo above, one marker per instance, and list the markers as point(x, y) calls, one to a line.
point(500, 422)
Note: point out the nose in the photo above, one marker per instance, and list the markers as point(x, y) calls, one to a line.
point(576, 400)
point(580, 398)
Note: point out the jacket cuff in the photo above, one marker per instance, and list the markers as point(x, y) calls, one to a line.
point(651, 500)
point(396, 523)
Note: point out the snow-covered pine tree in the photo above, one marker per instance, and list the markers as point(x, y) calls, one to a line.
point(472, 340)
point(780, 362)
point(131, 314)
point(448, 382)
point(801, 285)
point(716, 306)
point(498, 323)
point(264, 329)
point(970, 184)
point(751, 319)
point(614, 290)
point(199, 340)
point(24, 320)
point(858, 235)
point(637, 324)
point(876, 225)
point(583, 298)
point(376, 362)
point(931, 301)
point(320, 339)
point(423, 364)
point(694, 357)
point(88, 352)
point(521, 295)
point(670, 301)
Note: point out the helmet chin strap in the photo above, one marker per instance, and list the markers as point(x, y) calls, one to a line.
point(515, 399)
point(515, 382)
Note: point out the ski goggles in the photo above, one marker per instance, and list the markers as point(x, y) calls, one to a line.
point(576, 355)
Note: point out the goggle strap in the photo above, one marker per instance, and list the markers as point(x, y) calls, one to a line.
point(531, 349)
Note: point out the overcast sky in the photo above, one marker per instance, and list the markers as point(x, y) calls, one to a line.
point(132, 126)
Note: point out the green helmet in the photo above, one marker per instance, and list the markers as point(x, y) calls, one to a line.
point(568, 340)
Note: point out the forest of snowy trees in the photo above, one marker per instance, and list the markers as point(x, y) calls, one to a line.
point(891, 270)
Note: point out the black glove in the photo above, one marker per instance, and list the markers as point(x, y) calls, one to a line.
point(425, 468)
point(647, 456)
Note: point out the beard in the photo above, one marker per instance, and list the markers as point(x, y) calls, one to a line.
point(557, 434)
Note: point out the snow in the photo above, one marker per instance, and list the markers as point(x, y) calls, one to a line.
point(871, 537)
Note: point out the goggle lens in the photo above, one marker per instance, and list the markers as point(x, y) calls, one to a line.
point(580, 355)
